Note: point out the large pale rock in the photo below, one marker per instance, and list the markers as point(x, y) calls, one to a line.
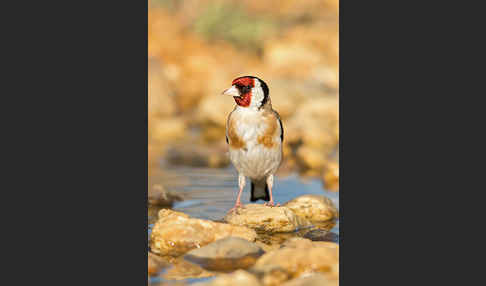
point(176, 233)
point(314, 208)
point(300, 256)
point(266, 219)
point(226, 254)
point(237, 278)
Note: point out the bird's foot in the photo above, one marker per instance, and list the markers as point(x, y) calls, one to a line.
point(237, 206)
point(271, 204)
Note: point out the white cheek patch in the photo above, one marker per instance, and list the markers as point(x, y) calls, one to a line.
point(256, 95)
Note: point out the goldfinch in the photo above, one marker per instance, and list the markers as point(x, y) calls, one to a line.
point(254, 134)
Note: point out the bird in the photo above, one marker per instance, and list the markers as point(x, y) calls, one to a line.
point(254, 134)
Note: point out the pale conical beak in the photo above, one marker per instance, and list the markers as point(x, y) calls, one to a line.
point(233, 91)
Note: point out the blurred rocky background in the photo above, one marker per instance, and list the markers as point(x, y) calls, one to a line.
point(196, 47)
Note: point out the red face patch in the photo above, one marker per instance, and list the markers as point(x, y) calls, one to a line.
point(244, 85)
point(244, 81)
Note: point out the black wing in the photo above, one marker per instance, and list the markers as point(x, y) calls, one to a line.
point(281, 126)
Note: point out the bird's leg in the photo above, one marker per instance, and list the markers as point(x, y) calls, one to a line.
point(241, 185)
point(270, 186)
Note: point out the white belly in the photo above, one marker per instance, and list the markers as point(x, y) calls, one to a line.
point(256, 161)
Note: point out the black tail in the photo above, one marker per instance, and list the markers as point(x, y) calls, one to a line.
point(259, 191)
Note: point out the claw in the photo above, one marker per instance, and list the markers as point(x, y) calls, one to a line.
point(271, 204)
point(236, 207)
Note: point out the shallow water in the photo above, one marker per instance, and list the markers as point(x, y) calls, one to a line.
point(210, 193)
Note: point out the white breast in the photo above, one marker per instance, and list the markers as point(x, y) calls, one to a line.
point(254, 160)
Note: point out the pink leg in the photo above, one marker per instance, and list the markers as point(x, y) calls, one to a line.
point(270, 187)
point(241, 184)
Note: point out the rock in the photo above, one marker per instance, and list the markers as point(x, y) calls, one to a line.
point(321, 235)
point(311, 157)
point(159, 196)
point(331, 176)
point(198, 155)
point(237, 278)
point(313, 129)
point(313, 207)
point(300, 256)
point(226, 254)
point(266, 219)
point(176, 233)
point(315, 279)
point(214, 109)
point(271, 275)
point(182, 269)
point(167, 129)
point(155, 264)
point(160, 101)
point(303, 243)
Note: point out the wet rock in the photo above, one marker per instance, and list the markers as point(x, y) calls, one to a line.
point(176, 233)
point(159, 196)
point(315, 279)
point(182, 269)
point(321, 235)
point(198, 156)
point(266, 219)
point(226, 254)
point(237, 278)
point(300, 256)
point(313, 207)
point(155, 264)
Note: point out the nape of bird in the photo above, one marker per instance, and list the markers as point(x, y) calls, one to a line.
point(254, 134)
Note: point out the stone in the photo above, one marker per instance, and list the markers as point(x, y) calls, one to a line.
point(167, 129)
point(271, 275)
point(159, 196)
point(311, 157)
point(330, 176)
point(160, 101)
point(198, 155)
point(176, 233)
point(266, 219)
point(226, 254)
point(301, 256)
point(314, 208)
point(321, 235)
point(237, 278)
point(182, 269)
